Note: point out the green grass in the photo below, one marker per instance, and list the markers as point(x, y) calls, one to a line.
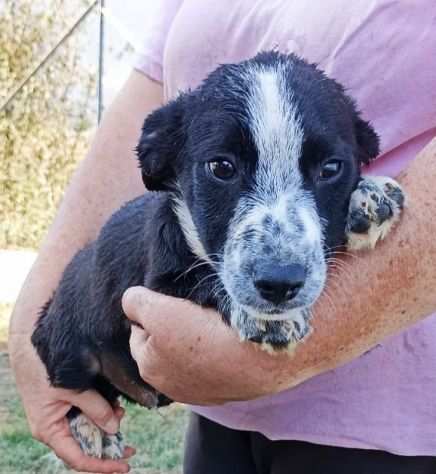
point(19, 451)
point(157, 435)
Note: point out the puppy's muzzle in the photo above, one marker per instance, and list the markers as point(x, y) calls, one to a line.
point(279, 284)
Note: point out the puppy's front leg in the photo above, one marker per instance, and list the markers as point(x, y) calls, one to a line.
point(375, 206)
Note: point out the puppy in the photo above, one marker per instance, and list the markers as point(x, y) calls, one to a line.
point(257, 173)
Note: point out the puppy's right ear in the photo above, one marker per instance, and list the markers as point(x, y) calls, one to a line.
point(159, 146)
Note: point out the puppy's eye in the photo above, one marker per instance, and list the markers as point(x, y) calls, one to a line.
point(330, 169)
point(221, 169)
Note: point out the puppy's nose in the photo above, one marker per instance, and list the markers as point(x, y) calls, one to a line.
point(279, 284)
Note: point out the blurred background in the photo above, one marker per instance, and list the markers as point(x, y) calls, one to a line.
point(61, 64)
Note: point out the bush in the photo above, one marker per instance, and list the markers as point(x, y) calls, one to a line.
point(45, 130)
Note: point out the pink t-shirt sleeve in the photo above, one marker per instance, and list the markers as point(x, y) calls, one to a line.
point(149, 58)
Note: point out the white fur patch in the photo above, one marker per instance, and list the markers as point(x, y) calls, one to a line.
point(277, 132)
point(189, 230)
point(278, 135)
point(291, 315)
point(113, 446)
point(88, 435)
point(278, 209)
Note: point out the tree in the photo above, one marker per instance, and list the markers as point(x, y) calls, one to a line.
point(45, 130)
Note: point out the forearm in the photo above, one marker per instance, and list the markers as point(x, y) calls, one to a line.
point(106, 178)
point(377, 294)
point(381, 292)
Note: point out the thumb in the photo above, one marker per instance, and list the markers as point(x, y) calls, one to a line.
point(150, 309)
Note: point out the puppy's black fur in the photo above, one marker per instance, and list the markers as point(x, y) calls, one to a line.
point(82, 335)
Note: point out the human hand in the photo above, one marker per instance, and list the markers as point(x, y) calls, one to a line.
point(46, 408)
point(190, 355)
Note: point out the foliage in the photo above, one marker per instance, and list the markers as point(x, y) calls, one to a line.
point(45, 130)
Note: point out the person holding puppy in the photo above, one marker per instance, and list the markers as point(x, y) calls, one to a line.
point(359, 393)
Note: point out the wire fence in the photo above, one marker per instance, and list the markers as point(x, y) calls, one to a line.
point(60, 63)
point(51, 65)
point(51, 53)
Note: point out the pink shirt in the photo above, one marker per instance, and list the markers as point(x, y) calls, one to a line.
point(384, 52)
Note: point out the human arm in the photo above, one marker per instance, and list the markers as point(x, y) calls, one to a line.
point(192, 357)
point(106, 178)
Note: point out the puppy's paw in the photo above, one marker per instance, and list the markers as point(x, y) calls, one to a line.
point(113, 446)
point(375, 206)
point(274, 336)
point(88, 435)
point(95, 442)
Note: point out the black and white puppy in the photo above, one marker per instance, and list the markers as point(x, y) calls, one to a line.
point(258, 173)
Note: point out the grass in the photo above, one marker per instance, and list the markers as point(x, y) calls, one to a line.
point(20, 452)
point(157, 435)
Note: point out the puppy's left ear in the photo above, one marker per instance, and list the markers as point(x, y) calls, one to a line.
point(367, 141)
point(161, 140)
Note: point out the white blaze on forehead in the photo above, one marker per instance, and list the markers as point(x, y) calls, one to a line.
point(278, 135)
point(272, 104)
point(189, 229)
point(276, 129)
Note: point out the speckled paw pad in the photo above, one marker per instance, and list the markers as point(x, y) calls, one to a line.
point(375, 206)
point(95, 442)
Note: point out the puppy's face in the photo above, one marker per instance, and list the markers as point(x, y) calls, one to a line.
point(261, 160)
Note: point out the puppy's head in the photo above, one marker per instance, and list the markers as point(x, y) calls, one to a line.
point(261, 159)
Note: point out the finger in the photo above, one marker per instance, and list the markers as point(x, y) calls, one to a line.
point(68, 450)
point(158, 315)
point(119, 412)
point(136, 303)
point(146, 307)
point(128, 452)
point(97, 409)
point(138, 340)
point(148, 359)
